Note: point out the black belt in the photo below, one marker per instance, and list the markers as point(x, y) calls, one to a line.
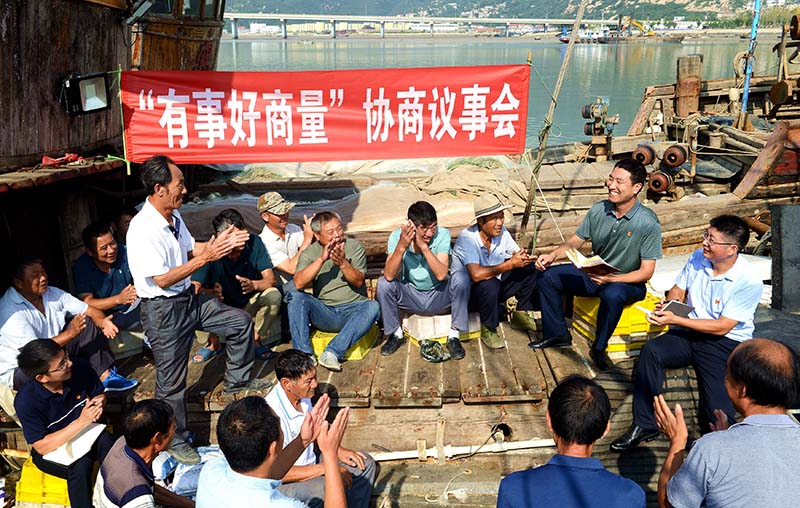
point(183, 294)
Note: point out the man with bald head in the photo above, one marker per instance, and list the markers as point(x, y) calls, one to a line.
point(752, 463)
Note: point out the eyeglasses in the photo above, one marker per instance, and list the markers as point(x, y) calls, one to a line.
point(712, 242)
point(426, 229)
point(62, 365)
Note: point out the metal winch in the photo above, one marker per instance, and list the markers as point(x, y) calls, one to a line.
point(600, 128)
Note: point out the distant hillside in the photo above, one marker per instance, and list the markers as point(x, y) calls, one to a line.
point(638, 9)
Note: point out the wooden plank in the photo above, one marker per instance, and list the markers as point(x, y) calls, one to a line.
point(207, 390)
point(525, 365)
point(765, 161)
point(388, 386)
point(451, 382)
point(351, 386)
point(404, 379)
point(547, 373)
point(471, 372)
point(566, 362)
point(584, 174)
point(423, 381)
point(501, 381)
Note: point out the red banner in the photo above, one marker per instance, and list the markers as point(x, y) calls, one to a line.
point(216, 117)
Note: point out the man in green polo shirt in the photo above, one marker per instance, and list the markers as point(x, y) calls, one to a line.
point(627, 235)
point(335, 267)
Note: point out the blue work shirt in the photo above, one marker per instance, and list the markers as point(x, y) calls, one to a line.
point(734, 294)
point(251, 262)
point(569, 482)
point(92, 280)
point(220, 486)
point(469, 249)
point(415, 269)
point(752, 464)
point(42, 412)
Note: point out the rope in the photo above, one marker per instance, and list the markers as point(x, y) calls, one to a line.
point(548, 122)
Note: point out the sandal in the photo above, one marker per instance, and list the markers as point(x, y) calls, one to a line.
point(264, 353)
point(204, 354)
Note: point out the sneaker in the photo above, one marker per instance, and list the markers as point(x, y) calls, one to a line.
point(491, 339)
point(521, 320)
point(330, 362)
point(254, 385)
point(118, 383)
point(455, 348)
point(313, 359)
point(392, 344)
point(184, 453)
point(432, 351)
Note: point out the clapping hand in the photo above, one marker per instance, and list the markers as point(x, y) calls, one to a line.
point(720, 421)
point(337, 252)
point(330, 436)
point(312, 423)
point(671, 424)
point(127, 296)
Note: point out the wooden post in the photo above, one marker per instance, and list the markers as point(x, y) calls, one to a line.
point(687, 91)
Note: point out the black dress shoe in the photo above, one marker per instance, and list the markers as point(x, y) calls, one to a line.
point(600, 359)
point(392, 344)
point(632, 438)
point(563, 341)
point(455, 348)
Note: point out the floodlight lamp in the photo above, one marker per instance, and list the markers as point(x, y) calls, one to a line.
point(85, 94)
point(139, 9)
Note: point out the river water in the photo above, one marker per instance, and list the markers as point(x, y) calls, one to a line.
point(618, 72)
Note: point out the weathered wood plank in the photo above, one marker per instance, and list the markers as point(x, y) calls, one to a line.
point(499, 371)
point(765, 161)
point(525, 365)
point(474, 384)
point(351, 386)
point(388, 386)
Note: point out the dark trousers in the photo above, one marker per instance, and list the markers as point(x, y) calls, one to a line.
point(488, 295)
point(128, 320)
point(90, 344)
point(708, 354)
point(170, 323)
point(79, 473)
point(566, 280)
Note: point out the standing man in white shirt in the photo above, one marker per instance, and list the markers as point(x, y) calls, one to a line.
point(162, 257)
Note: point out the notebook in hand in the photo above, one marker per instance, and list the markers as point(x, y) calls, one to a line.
point(594, 265)
point(674, 306)
point(76, 447)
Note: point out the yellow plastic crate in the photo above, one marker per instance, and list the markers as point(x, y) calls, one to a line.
point(632, 321)
point(319, 340)
point(36, 489)
point(630, 345)
point(436, 328)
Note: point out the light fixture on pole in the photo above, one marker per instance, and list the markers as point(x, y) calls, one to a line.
point(85, 94)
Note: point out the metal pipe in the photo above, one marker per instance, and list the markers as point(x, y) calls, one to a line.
point(450, 451)
point(751, 54)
